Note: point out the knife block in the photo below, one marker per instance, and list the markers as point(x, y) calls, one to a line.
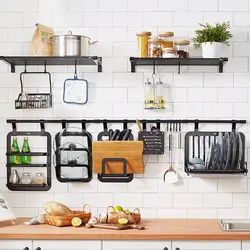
point(112, 156)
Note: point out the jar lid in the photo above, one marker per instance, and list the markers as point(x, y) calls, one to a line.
point(26, 174)
point(39, 174)
point(173, 50)
point(155, 40)
point(167, 34)
point(144, 33)
point(182, 42)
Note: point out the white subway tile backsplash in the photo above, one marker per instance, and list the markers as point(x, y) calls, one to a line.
point(8, 20)
point(241, 200)
point(241, 49)
point(187, 200)
point(232, 95)
point(68, 20)
point(97, 19)
point(241, 79)
point(237, 214)
point(178, 5)
point(202, 95)
point(18, 6)
point(187, 19)
point(218, 17)
point(82, 5)
point(113, 95)
point(218, 80)
point(172, 213)
point(196, 5)
point(128, 80)
point(238, 185)
point(127, 19)
point(142, 5)
point(30, 19)
point(33, 200)
point(225, 5)
point(187, 110)
point(242, 19)
point(70, 199)
point(147, 185)
point(157, 200)
point(53, 6)
point(197, 185)
point(157, 19)
point(188, 80)
point(112, 5)
point(201, 213)
point(99, 200)
point(217, 200)
point(217, 110)
point(132, 200)
point(115, 34)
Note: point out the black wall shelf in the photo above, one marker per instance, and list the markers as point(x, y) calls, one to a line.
point(14, 61)
point(137, 61)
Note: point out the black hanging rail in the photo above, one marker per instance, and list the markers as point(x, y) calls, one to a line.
point(197, 121)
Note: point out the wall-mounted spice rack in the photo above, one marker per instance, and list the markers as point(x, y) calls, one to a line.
point(46, 155)
point(138, 61)
point(14, 61)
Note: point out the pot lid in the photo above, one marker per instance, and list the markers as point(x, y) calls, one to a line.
point(70, 34)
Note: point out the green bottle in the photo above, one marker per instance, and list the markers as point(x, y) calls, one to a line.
point(15, 159)
point(25, 159)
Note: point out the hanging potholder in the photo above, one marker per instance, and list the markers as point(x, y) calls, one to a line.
point(75, 91)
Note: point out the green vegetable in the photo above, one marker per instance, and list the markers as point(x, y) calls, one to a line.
point(219, 33)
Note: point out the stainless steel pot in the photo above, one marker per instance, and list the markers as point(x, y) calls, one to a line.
point(70, 45)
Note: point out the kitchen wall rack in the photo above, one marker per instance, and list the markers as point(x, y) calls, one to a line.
point(47, 154)
point(14, 61)
point(138, 61)
point(66, 157)
point(117, 161)
point(211, 152)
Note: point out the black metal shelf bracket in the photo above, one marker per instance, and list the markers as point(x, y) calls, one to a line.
point(132, 62)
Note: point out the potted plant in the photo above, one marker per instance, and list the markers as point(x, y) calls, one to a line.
point(210, 39)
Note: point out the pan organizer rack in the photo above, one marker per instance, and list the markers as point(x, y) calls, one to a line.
point(46, 155)
point(129, 176)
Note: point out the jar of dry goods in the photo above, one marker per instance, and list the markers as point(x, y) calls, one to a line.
point(39, 179)
point(142, 39)
point(154, 47)
point(167, 39)
point(182, 48)
point(169, 53)
point(26, 178)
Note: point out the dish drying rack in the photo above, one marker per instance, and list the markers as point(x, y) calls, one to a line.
point(204, 154)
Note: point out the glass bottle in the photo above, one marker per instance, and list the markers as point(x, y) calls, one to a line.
point(14, 177)
point(142, 39)
point(160, 99)
point(182, 47)
point(149, 95)
point(26, 178)
point(15, 159)
point(26, 159)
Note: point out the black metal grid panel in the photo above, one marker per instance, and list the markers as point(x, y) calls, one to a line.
point(14, 61)
point(29, 187)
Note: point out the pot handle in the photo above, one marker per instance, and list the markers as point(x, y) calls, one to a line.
point(94, 42)
point(50, 39)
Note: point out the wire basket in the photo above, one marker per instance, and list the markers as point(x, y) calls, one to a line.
point(34, 101)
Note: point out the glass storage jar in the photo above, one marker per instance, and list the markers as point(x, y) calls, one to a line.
point(39, 179)
point(169, 53)
point(142, 39)
point(182, 48)
point(167, 41)
point(26, 178)
point(154, 47)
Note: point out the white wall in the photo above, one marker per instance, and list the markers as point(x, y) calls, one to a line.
point(198, 92)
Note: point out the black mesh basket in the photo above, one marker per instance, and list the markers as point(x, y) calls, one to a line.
point(34, 100)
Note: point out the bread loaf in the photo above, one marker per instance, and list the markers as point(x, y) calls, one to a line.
point(57, 209)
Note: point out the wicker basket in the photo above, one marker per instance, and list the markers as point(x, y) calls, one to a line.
point(63, 221)
point(133, 217)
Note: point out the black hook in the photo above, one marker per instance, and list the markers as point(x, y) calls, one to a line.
point(13, 127)
point(125, 124)
point(84, 125)
point(75, 70)
point(42, 126)
point(105, 125)
point(45, 67)
point(63, 124)
point(158, 124)
point(196, 125)
point(170, 125)
point(144, 125)
point(233, 125)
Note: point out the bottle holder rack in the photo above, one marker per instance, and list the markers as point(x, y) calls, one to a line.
point(72, 148)
point(47, 165)
point(206, 153)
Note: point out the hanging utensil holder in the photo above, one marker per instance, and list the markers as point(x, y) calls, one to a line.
point(34, 100)
point(203, 154)
point(73, 148)
point(153, 141)
point(47, 155)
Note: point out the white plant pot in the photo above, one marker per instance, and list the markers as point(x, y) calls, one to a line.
point(211, 50)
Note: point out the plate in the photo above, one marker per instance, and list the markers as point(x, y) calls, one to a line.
point(233, 150)
point(227, 154)
point(240, 150)
point(209, 156)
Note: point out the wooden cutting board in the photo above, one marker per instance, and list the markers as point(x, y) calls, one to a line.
point(117, 226)
point(130, 150)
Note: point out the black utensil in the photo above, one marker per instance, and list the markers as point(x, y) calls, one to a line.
point(115, 135)
point(104, 135)
point(122, 134)
point(110, 134)
point(127, 135)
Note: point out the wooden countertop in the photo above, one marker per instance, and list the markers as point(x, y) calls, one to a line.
point(156, 229)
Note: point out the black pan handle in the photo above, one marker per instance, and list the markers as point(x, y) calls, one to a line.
point(26, 248)
point(177, 248)
point(165, 248)
point(38, 248)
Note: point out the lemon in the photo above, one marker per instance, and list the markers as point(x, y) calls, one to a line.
point(123, 221)
point(76, 222)
point(118, 209)
point(127, 211)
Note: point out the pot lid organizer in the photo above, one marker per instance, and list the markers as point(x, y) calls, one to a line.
point(116, 156)
point(73, 154)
